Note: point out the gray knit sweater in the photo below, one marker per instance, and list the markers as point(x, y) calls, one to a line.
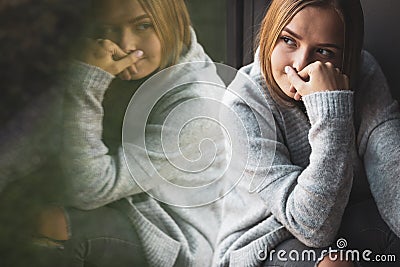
point(305, 163)
point(171, 236)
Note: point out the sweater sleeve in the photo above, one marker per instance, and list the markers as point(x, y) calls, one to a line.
point(309, 201)
point(176, 141)
point(312, 205)
point(379, 141)
point(93, 177)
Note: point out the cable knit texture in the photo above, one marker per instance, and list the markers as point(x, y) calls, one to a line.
point(307, 164)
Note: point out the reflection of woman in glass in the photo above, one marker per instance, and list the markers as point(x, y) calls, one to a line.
point(314, 74)
point(137, 39)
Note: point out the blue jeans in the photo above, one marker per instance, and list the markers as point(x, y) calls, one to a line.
point(99, 237)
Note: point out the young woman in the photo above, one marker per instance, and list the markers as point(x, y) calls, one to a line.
point(134, 39)
point(317, 108)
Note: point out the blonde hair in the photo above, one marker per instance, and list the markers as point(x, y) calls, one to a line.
point(281, 12)
point(172, 25)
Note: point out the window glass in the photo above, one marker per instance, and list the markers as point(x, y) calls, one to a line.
point(209, 21)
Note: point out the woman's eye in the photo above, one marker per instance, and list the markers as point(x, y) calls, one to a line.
point(144, 26)
point(107, 29)
point(288, 41)
point(326, 52)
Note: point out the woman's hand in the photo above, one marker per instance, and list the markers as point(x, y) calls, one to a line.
point(316, 77)
point(109, 56)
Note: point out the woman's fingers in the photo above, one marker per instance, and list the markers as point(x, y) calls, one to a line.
point(118, 66)
point(297, 96)
point(108, 56)
point(317, 77)
point(129, 61)
point(296, 81)
point(125, 75)
point(116, 52)
point(131, 70)
point(341, 80)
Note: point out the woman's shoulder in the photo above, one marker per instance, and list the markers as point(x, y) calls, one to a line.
point(195, 52)
point(372, 81)
point(368, 65)
point(250, 86)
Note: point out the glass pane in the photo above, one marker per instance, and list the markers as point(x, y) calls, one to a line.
point(209, 21)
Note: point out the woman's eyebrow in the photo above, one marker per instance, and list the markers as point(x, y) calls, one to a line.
point(331, 45)
point(139, 18)
point(286, 29)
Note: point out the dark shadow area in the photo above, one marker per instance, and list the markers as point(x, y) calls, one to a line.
point(35, 41)
point(382, 38)
point(209, 21)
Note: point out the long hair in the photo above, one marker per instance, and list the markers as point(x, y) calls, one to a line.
point(172, 25)
point(281, 12)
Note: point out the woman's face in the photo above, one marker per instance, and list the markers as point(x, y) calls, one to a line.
point(314, 34)
point(125, 23)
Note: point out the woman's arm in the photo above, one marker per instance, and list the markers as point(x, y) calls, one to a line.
point(379, 140)
point(93, 177)
point(309, 201)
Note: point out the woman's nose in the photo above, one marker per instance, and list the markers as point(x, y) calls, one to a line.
point(301, 59)
point(128, 40)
